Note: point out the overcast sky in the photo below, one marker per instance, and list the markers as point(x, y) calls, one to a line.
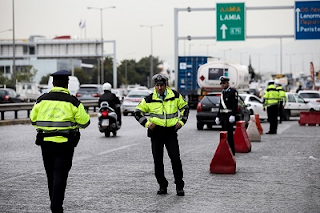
point(52, 18)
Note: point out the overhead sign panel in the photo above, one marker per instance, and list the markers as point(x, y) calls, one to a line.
point(230, 22)
point(307, 20)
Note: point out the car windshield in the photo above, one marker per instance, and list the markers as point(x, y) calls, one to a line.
point(211, 100)
point(243, 97)
point(138, 94)
point(2, 92)
point(88, 90)
point(310, 95)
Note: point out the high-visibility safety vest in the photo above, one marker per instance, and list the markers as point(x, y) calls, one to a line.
point(271, 96)
point(282, 94)
point(165, 112)
point(58, 111)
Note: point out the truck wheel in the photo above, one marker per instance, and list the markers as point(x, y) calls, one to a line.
point(286, 115)
point(200, 126)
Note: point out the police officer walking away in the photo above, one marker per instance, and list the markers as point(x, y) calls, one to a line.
point(163, 106)
point(112, 100)
point(57, 117)
point(282, 101)
point(227, 110)
point(271, 101)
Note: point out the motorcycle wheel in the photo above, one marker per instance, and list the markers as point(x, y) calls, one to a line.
point(107, 133)
point(114, 133)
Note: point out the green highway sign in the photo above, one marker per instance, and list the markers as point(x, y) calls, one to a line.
point(230, 22)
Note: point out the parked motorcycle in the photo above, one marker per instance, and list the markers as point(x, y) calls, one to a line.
point(107, 120)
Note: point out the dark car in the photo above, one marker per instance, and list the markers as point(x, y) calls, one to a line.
point(208, 107)
point(89, 92)
point(8, 95)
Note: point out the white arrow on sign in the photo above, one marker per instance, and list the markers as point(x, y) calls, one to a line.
point(298, 11)
point(223, 28)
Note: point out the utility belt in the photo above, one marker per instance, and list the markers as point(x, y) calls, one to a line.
point(225, 110)
point(72, 135)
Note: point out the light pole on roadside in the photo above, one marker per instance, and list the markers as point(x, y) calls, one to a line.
point(207, 45)
point(151, 57)
point(224, 53)
point(102, 64)
point(126, 66)
point(240, 53)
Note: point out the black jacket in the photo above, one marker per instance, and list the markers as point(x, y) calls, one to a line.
point(112, 99)
point(230, 98)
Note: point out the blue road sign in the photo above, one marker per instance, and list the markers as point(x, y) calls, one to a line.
point(307, 20)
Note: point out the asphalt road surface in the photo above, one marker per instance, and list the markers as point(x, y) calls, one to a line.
point(280, 174)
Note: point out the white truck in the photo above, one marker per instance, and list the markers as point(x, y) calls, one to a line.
point(29, 91)
point(209, 73)
point(73, 86)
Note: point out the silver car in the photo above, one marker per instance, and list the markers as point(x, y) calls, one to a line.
point(132, 100)
point(89, 92)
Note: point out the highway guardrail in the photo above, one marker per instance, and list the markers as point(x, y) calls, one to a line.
point(28, 107)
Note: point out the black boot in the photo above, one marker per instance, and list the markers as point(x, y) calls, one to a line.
point(180, 192)
point(162, 191)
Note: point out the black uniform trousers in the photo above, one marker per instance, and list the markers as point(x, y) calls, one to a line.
point(227, 126)
point(57, 160)
point(167, 136)
point(272, 112)
point(280, 111)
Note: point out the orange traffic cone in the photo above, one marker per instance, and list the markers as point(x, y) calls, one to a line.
point(258, 124)
point(241, 141)
point(223, 161)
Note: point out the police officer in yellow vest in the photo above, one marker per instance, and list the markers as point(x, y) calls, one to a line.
point(163, 106)
point(57, 116)
point(282, 100)
point(271, 101)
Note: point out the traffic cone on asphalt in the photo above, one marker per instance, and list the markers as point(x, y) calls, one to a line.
point(252, 130)
point(223, 161)
point(258, 124)
point(241, 141)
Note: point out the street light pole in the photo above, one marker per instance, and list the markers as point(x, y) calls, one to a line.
point(224, 53)
point(151, 57)
point(207, 45)
point(14, 47)
point(126, 66)
point(102, 64)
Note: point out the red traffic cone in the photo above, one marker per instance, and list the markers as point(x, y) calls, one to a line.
point(223, 161)
point(241, 140)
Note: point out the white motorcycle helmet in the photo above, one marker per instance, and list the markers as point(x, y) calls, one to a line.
point(106, 86)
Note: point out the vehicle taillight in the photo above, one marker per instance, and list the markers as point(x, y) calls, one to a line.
point(78, 95)
point(96, 95)
point(318, 101)
point(199, 107)
point(104, 113)
point(6, 97)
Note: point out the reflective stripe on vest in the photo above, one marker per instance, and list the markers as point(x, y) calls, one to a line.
point(55, 124)
point(168, 116)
